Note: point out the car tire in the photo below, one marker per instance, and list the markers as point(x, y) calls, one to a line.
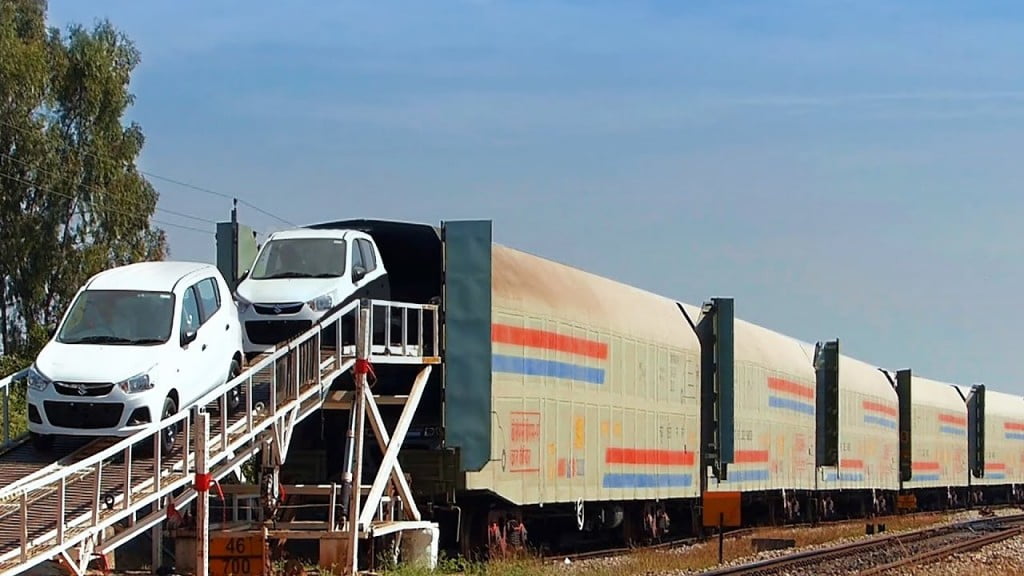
point(170, 433)
point(42, 442)
point(235, 395)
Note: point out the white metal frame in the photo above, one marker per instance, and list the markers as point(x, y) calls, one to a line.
point(228, 444)
point(7, 385)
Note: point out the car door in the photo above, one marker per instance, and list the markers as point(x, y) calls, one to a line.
point(211, 336)
point(192, 368)
point(217, 328)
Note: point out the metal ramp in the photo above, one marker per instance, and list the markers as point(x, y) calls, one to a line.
point(106, 493)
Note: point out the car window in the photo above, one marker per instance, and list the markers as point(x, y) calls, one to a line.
point(118, 317)
point(369, 258)
point(209, 297)
point(189, 311)
point(357, 256)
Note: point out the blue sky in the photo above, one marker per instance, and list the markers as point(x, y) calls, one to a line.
point(841, 168)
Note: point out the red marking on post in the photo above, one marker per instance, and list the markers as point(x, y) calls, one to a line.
point(851, 463)
point(1013, 426)
point(203, 482)
point(363, 366)
point(636, 456)
point(546, 340)
point(780, 385)
point(995, 466)
point(925, 466)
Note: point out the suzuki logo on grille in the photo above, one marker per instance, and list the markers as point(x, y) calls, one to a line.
point(82, 390)
point(277, 309)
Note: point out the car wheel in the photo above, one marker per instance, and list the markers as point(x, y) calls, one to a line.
point(169, 433)
point(42, 442)
point(235, 395)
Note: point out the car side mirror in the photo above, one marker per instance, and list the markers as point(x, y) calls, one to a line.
point(188, 337)
point(243, 275)
point(358, 273)
point(51, 331)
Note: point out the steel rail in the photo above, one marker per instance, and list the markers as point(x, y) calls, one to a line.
point(949, 550)
point(852, 549)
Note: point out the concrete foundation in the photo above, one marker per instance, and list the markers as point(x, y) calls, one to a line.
point(419, 547)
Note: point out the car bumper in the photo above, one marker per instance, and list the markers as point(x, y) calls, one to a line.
point(113, 414)
point(261, 332)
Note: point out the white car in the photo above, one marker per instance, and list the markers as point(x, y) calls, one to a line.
point(138, 343)
point(299, 275)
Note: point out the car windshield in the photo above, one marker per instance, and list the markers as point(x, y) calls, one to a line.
point(300, 258)
point(126, 317)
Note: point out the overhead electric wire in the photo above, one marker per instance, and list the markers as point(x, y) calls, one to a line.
point(100, 191)
point(176, 181)
point(107, 208)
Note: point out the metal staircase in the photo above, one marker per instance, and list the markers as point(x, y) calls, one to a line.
point(105, 493)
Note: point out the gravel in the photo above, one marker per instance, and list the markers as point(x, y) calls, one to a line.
point(1009, 550)
point(1000, 559)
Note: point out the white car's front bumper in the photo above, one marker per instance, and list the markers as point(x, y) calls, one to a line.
point(267, 325)
point(92, 409)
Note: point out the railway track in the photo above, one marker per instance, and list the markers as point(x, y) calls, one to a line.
point(881, 554)
point(740, 533)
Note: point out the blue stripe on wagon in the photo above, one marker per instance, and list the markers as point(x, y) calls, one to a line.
point(746, 476)
point(788, 404)
point(627, 480)
point(845, 477)
point(550, 368)
point(869, 419)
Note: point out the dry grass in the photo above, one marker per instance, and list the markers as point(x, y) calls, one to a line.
point(698, 557)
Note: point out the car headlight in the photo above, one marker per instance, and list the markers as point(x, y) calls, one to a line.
point(36, 380)
point(139, 383)
point(322, 303)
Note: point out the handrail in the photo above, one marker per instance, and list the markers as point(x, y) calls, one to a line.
point(146, 433)
point(6, 383)
point(118, 487)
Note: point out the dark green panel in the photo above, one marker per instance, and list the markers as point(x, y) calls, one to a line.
point(725, 367)
point(717, 343)
point(236, 250)
point(467, 346)
point(976, 430)
point(906, 404)
point(826, 364)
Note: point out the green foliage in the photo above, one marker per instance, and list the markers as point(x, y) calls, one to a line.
point(17, 407)
point(72, 200)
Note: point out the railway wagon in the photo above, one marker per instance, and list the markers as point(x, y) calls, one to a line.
point(858, 434)
point(567, 402)
point(938, 437)
point(1003, 447)
point(595, 389)
point(774, 423)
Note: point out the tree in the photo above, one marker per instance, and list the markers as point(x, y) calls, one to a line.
point(72, 201)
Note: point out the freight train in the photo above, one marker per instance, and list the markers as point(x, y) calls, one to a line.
point(573, 407)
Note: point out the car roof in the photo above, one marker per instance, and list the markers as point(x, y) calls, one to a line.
point(157, 276)
point(308, 233)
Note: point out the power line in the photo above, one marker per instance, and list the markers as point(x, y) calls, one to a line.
point(102, 192)
point(215, 193)
point(115, 210)
point(174, 181)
